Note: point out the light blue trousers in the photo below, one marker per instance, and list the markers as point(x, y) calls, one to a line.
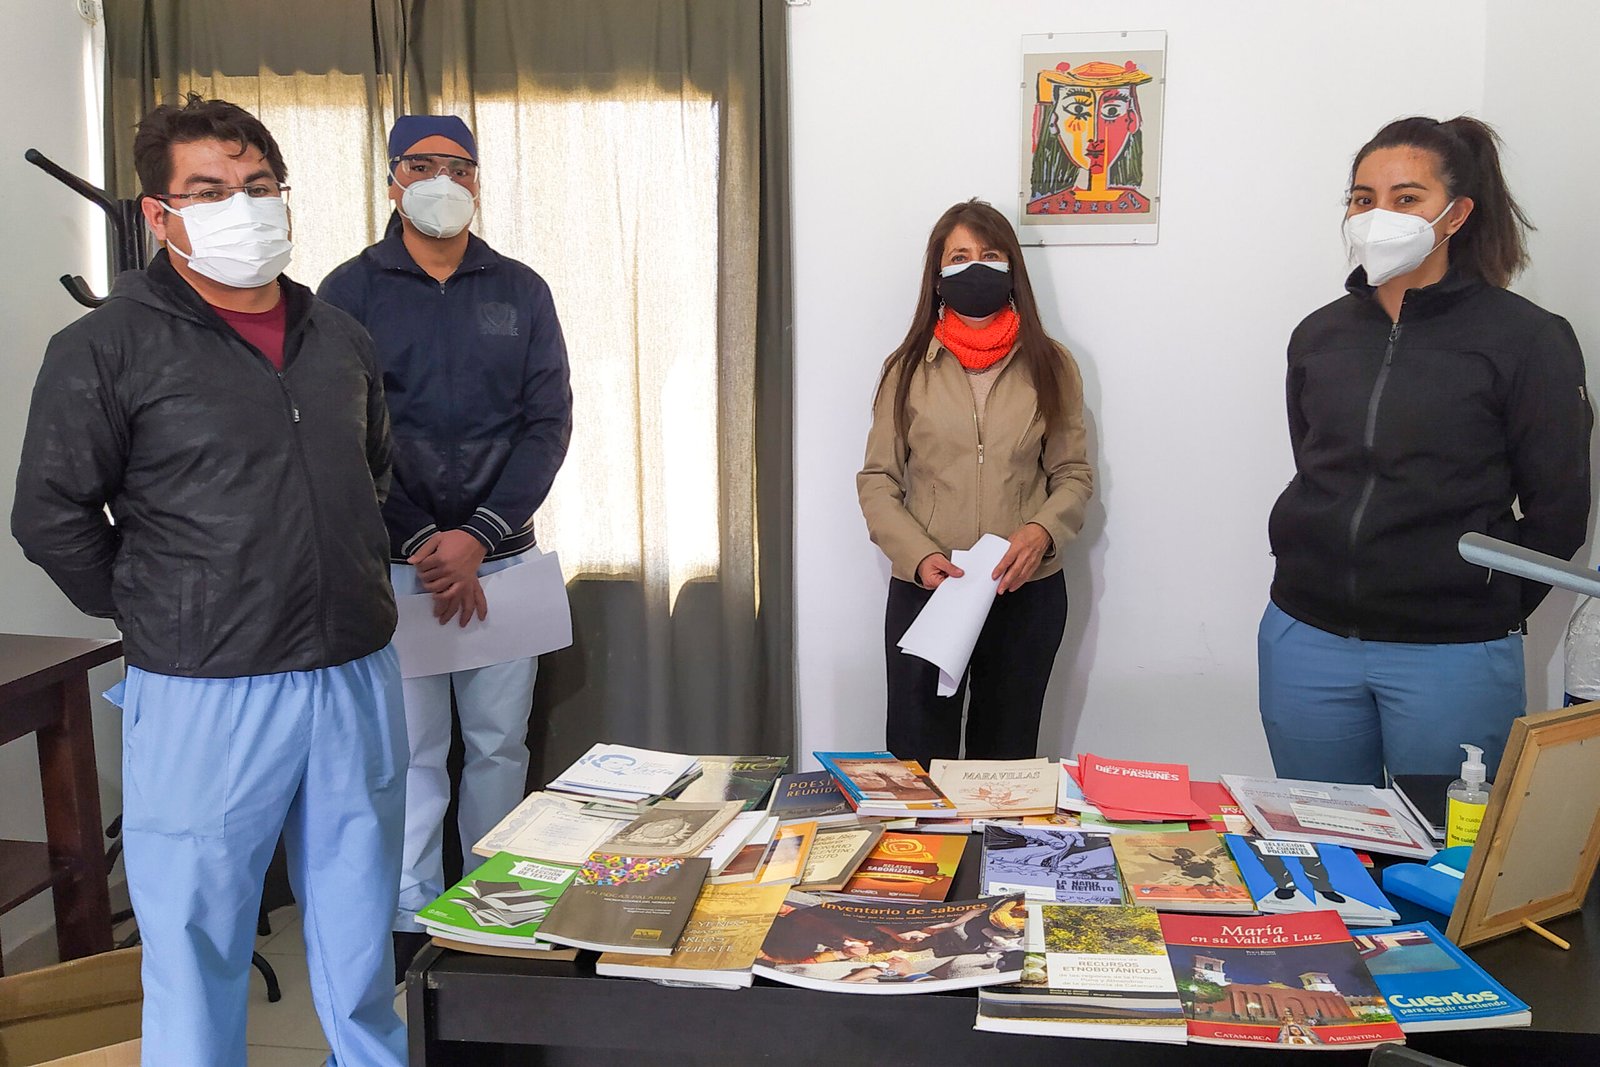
point(1339, 709)
point(494, 704)
point(213, 769)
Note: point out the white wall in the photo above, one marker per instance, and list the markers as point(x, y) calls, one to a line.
point(1552, 170)
point(901, 108)
point(49, 231)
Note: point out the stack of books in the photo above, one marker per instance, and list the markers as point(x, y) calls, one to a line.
point(877, 784)
point(499, 908)
point(627, 778)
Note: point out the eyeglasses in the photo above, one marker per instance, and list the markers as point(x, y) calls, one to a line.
point(408, 169)
point(216, 194)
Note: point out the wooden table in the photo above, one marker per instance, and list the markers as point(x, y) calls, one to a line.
point(44, 690)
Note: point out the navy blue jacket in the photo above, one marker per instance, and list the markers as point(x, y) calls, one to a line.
point(475, 371)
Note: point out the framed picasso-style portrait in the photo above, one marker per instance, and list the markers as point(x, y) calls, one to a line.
point(1090, 166)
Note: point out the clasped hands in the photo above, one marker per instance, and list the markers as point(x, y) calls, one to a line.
point(447, 565)
point(1028, 547)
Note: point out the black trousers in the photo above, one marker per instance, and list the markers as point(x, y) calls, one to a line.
point(1007, 675)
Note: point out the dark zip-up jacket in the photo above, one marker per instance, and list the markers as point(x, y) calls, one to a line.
point(1407, 435)
point(475, 370)
point(248, 537)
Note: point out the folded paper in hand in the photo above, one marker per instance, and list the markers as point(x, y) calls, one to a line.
point(947, 628)
point(528, 616)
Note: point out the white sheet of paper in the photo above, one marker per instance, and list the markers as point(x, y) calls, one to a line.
point(528, 616)
point(946, 629)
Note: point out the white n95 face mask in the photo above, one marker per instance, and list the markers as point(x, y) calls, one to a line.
point(438, 206)
point(243, 242)
point(1391, 243)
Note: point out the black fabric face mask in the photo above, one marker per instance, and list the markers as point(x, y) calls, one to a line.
point(978, 291)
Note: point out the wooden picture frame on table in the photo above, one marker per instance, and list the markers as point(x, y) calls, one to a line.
point(1540, 840)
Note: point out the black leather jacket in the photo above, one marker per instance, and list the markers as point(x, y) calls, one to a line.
point(1407, 435)
point(247, 536)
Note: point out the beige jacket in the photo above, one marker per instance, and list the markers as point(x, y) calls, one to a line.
point(945, 488)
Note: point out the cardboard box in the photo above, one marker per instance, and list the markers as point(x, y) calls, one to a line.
point(84, 1013)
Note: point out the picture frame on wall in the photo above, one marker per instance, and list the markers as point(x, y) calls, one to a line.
point(1089, 167)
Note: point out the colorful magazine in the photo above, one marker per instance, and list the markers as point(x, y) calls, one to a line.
point(1189, 871)
point(1432, 985)
point(1090, 972)
point(891, 947)
point(909, 867)
point(1293, 876)
point(1284, 980)
point(1063, 866)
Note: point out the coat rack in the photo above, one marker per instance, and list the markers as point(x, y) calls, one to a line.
point(127, 227)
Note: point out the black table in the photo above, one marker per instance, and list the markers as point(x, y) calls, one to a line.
point(486, 1011)
point(44, 691)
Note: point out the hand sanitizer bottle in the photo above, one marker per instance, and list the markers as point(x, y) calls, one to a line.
point(1466, 800)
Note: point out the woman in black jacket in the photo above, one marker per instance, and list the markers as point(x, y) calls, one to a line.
point(1427, 402)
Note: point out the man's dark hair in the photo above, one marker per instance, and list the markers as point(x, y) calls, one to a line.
point(197, 119)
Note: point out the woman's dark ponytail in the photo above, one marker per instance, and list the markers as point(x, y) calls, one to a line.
point(1492, 244)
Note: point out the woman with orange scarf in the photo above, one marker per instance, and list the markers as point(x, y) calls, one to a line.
point(977, 428)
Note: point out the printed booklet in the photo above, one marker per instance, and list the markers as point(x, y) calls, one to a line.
point(1278, 980)
point(997, 788)
point(1188, 871)
point(891, 947)
point(501, 904)
point(1357, 816)
point(1133, 791)
point(747, 779)
point(811, 796)
point(1291, 876)
point(1432, 985)
point(718, 946)
point(1063, 866)
point(909, 867)
point(626, 776)
point(877, 784)
point(635, 904)
point(1090, 972)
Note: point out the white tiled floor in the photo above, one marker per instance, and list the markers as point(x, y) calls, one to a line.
point(287, 1034)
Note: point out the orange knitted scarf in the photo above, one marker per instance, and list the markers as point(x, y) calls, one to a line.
point(978, 348)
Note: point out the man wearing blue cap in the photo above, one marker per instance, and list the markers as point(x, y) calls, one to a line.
point(475, 370)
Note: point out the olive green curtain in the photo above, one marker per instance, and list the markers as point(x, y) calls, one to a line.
point(635, 154)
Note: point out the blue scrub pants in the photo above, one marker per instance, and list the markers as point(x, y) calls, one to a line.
point(1339, 709)
point(494, 704)
point(213, 769)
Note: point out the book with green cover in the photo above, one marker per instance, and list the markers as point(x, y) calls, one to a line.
point(502, 903)
point(718, 946)
point(747, 779)
point(635, 904)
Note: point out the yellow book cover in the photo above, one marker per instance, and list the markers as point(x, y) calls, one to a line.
point(786, 859)
point(724, 934)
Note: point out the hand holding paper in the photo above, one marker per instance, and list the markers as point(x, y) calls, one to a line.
point(947, 628)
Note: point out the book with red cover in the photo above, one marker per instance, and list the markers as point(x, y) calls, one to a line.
point(1130, 791)
point(1276, 980)
point(1223, 813)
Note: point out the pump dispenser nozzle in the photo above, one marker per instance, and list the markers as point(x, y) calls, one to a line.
point(1472, 769)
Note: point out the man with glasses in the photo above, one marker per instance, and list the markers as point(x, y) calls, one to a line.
point(235, 428)
point(476, 374)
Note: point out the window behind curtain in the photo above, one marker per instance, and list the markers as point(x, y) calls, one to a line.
point(614, 202)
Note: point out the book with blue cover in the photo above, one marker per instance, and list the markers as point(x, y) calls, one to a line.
point(1430, 984)
point(1048, 865)
point(879, 785)
point(1293, 876)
